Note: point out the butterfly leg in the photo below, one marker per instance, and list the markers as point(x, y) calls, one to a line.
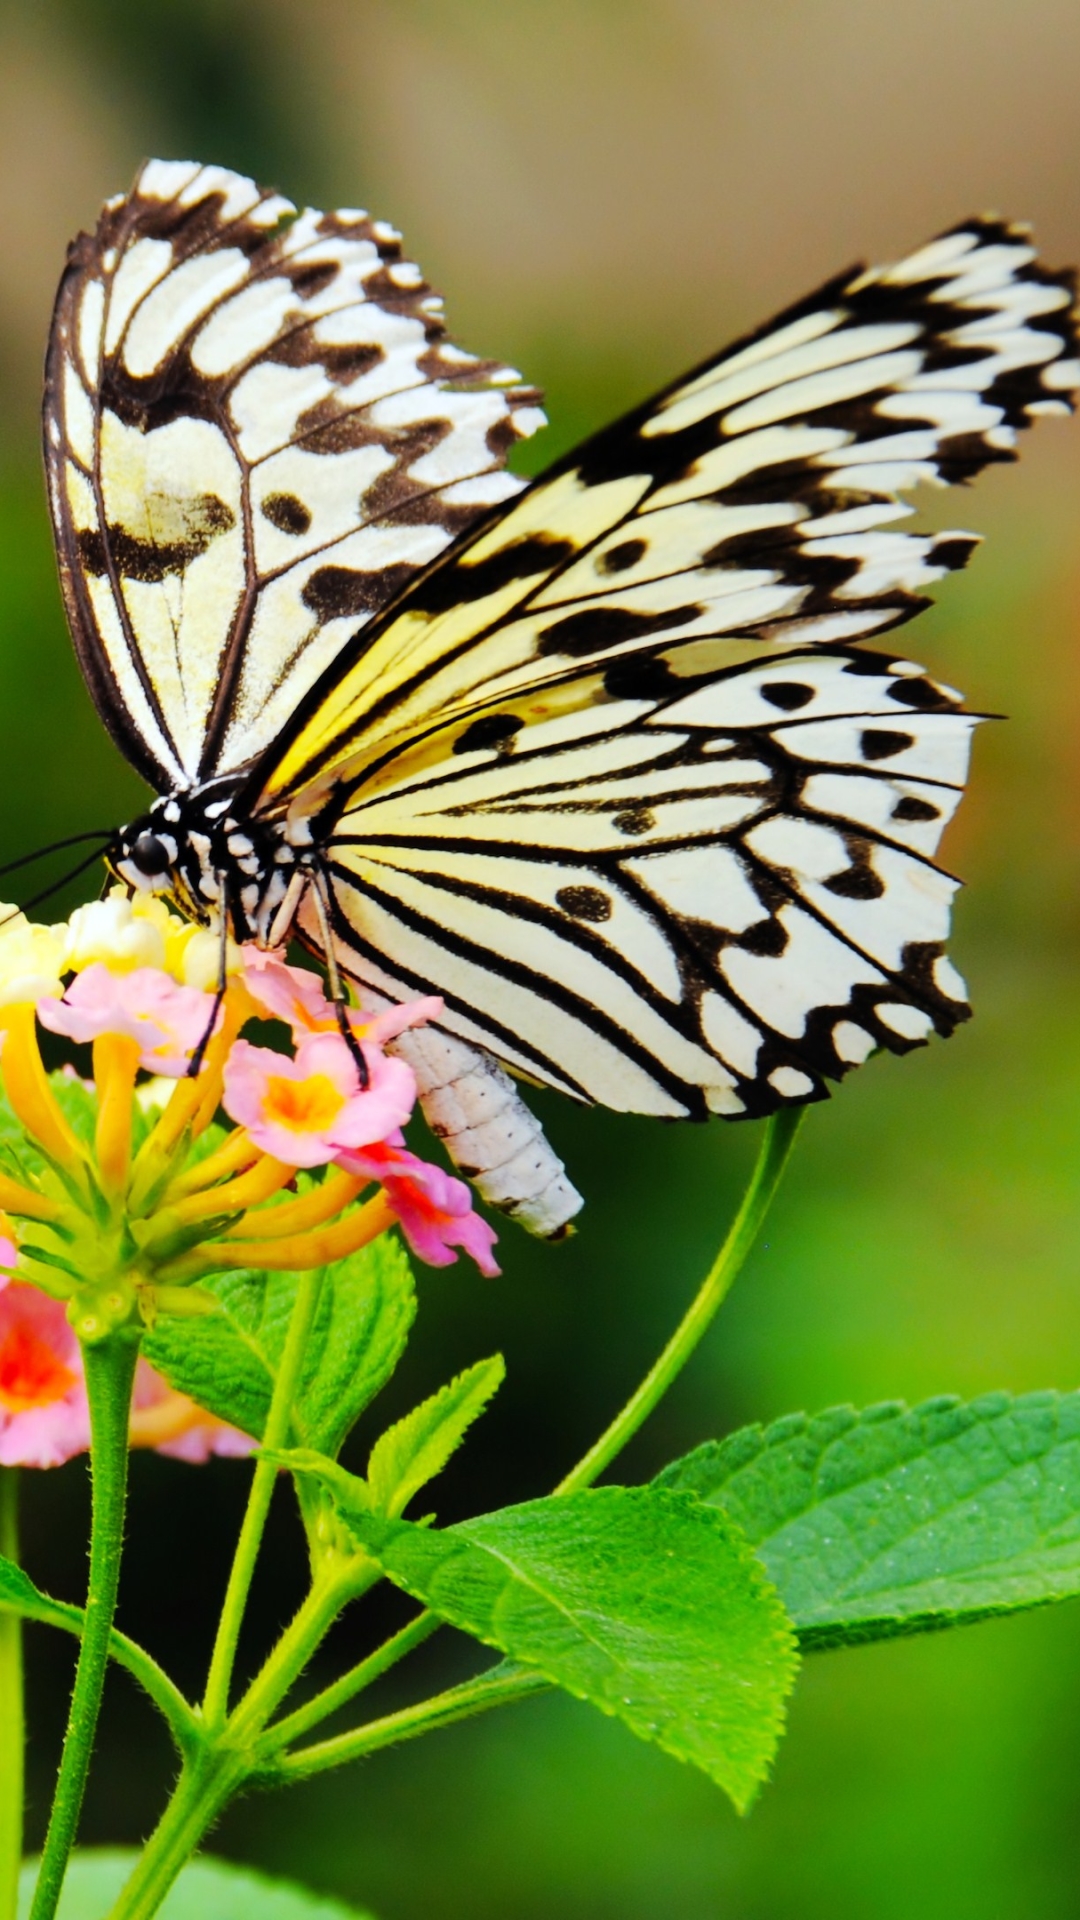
point(339, 992)
point(199, 1054)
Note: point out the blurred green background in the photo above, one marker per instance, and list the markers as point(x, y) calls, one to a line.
point(605, 191)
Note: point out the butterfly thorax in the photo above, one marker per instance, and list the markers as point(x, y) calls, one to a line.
point(198, 848)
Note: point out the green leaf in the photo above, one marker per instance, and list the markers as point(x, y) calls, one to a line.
point(18, 1594)
point(206, 1890)
point(649, 1605)
point(896, 1520)
point(227, 1361)
point(413, 1451)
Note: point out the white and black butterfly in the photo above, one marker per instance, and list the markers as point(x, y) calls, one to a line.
point(599, 760)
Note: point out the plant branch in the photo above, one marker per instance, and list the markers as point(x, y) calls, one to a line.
point(219, 1680)
point(498, 1687)
point(109, 1368)
point(776, 1145)
point(12, 1724)
point(350, 1684)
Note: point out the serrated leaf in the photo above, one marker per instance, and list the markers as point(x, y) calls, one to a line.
point(898, 1519)
point(415, 1449)
point(227, 1361)
point(206, 1890)
point(649, 1605)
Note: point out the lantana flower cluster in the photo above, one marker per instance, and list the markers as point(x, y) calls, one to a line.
point(101, 1233)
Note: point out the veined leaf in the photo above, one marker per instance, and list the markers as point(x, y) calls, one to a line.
point(648, 1604)
point(227, 1361)
point(898, 1519)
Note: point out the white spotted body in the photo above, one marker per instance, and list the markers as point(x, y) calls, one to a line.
point(600, 761)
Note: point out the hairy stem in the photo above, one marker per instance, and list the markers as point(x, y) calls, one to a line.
point(776, 1145)
point(201, 1792)
point(350, 1684)
point(12, 1726)
point(110, 1370)
point(219, 1680)
point(496, 1688)
point(505, 1683)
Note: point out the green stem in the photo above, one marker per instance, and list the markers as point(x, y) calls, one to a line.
point(305, 1631)
point(776, 1145)
point(201, 1792)
point(223, 1660)
point(350, 1684)
point(110, 1370)
point(12, 1726)
point(505, 1683)
point(496, 1688)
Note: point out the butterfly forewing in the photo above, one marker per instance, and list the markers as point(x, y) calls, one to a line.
point(256, 434)
point(755, 498)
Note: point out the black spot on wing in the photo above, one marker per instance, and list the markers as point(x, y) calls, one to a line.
point(919, 693)
point(585, 903)
point(880, 743)
point(491, 730)
point(634, 820)
point(594, 629)
point(788, 695)
point(285, 512)
point(909, 808)
point(626, 554)
point(334, 593)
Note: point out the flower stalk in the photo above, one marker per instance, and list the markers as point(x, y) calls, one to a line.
point(12, 1723)
point(110, 1374)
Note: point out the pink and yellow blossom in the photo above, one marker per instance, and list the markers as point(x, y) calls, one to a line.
point(166, 1020)
point(306, 1110)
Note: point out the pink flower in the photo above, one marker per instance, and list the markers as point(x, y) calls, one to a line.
point(296, 995)
point(171, 1423)
point(146, 1005)
point(44, 1419)
point(305, 1111)
point(434, 1210)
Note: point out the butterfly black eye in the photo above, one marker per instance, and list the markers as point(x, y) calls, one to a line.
point(149, 855)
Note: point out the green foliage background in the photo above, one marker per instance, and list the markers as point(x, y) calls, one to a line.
point(604, 191)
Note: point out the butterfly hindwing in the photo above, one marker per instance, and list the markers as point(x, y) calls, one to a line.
point(256, 433)
point(711, 901)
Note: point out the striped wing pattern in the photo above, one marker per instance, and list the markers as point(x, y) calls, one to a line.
point(756, 499)
point(256, 433)
point(710, 901)
point(599, 759)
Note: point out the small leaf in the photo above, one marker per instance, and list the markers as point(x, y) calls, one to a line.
point(649, 1605)
point(227, 1361)
point(895, 1520)
point(206, 1890)
point(418, 1447)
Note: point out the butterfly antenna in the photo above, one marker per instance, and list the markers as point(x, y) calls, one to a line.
point(101, 834)
point(339, 993)
point(48, 892)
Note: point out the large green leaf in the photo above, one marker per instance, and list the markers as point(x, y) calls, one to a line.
point(649, 1605)
point(206, 1890)
point(227, 1361)
point(18, 1594)
point(898, 1519)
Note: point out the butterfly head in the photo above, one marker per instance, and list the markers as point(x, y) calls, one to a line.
point(195, 849)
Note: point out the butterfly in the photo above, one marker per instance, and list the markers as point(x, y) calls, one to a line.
point(599, 759)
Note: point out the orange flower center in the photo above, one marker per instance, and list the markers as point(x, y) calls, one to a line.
point(30, 1373)
point(304, 1106)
